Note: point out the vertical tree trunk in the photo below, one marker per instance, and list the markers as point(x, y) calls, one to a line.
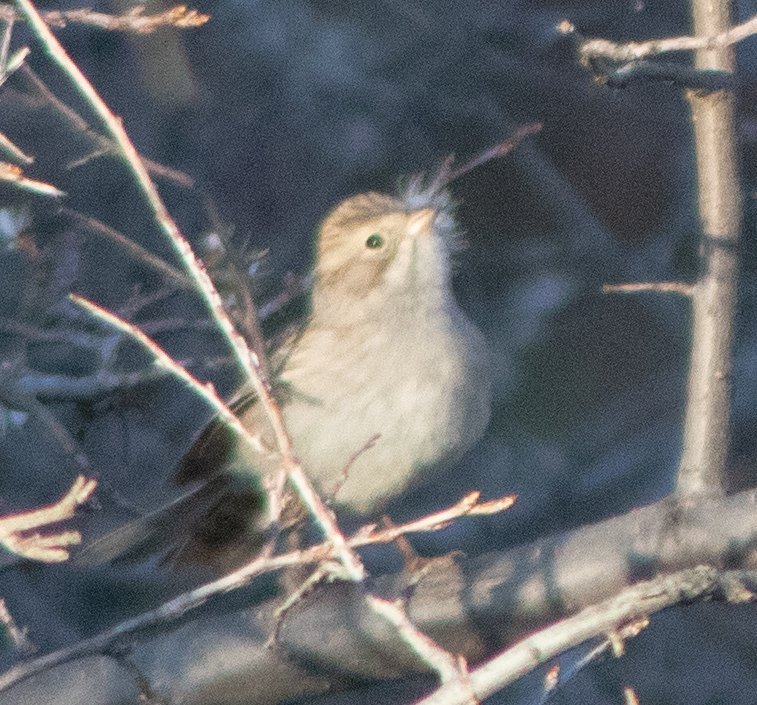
point(706, 427)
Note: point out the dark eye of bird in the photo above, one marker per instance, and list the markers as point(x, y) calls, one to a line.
point(374, 241)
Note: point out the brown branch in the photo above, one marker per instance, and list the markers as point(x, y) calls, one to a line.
point(103, 381)
point(9, 64)
point(467, 506)
point(105, 146)
point(14, 152)
point(49, 548)
point(452, 670)
point(18, 636)
point(449, 172)
point(163, 360)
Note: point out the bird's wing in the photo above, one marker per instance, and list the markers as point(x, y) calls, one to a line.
point(215, 447)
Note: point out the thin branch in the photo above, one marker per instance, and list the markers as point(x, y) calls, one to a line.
point(163, 360)
point(680, 288)
point(135, 20)
point(105, 146)
point(49, 548)
point(12, 174)
point(18, 636)
point(131, 248)
point(5, 42)
point(449, 172)
point(623, 614)
point(13, 151)
point(676, 74)
point(452, 670)
point(631, 51)
point(467, 506)
point(23, 401)
point(13, 62)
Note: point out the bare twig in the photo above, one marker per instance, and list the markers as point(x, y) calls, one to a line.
point(100, 383)
point(294, 286)
point(710, 38)
point(49, 548)
point(135, 20)
point(131, 248)
point(18, 636)
point(679, 75)
point(104, 145)
point(449, 172)
point(164, 360)
point(13, 151)
point(467, 506)
point(22, 400)
point(680, 288)
point(5, 42)
point(12, 174)
point(10, 63)
point(620, 614)
point(452, 670)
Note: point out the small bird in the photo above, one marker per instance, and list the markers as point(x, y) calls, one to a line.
point(387, 363)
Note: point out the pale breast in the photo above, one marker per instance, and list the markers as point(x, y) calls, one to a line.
point(424, 392)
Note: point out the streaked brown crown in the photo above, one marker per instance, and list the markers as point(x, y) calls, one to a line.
point(355, 211)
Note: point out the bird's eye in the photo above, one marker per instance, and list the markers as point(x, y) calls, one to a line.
point(374, 241)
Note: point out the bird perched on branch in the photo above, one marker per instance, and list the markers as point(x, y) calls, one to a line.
point(387, 362)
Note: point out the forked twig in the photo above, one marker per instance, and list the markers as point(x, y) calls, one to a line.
point(49, 548)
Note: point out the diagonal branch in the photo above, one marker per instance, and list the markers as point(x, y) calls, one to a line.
point(625, 615)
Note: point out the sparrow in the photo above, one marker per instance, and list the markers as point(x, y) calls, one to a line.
point(386, 385)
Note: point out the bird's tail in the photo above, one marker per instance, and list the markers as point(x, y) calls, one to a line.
point(221, 524)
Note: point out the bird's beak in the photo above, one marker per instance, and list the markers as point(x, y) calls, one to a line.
point(421, 222)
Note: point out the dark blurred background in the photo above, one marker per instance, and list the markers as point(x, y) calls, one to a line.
point(279, 110)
